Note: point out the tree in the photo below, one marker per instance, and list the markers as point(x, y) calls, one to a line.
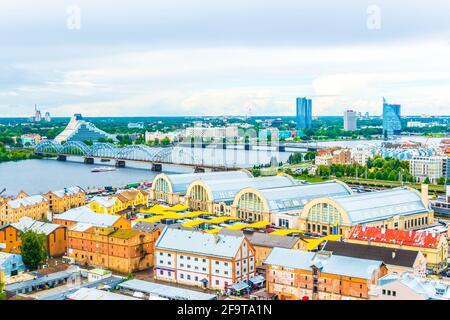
point(427, 180)
point(33, 248)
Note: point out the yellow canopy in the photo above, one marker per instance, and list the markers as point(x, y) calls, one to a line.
point(222, 219)
point(237, 226)
point(215, 230)
point(193, 223)
point(258, 225)
point(178, 207)
point(314, 243)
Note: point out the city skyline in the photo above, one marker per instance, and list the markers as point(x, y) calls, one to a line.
point(206, 59)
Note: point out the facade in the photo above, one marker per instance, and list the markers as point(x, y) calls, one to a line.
point(324, 160)
point(120, 250)
point(12, 210)
point(360, 156)
point(65, 199)
point(217, 196)
point(214, 261)
point(399, 208)
point(409, 287)
point(350, 119)
point(391, 119)
point(433, 246)
point(86, 215)
point(172, 188)
point(396, 260)
point(199, 133)
point(119, 202)
point(282, 206)
point(31, 139)
point(304, 113)
point(431, 167)
point(297, 275)
point(56, 238)
point(82, 130)
point(11, 264)
point(342, 156)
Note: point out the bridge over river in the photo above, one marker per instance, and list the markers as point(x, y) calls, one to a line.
point(105, 152)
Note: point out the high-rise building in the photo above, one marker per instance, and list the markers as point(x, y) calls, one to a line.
point(37, 114)
point(304, 113)
point(391, 119)
point(47, 117)
point(350, 120)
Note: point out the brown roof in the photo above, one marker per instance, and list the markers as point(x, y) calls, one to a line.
point(269, 240)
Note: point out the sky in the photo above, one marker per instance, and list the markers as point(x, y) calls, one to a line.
point(234, 57)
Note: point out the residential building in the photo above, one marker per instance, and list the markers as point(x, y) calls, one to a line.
point(30, 139)
point(431, 167)
point(304, 113)
point(79, 129)
point(302, 275)
point(207, 133)
point(214, 261)
point(86, 215)
point(360, 155)
point(396, 260)
point(325, 160)
point(120, 250)
point(409, 287)
point(350, 119)
point(56, 239)
point(135, 125)
point(433, 246)
point(65, 199)
point(11, 264)
point(391, 119)
point(172, 136)
point(341, 156)
point(12, 210)
point(119, 202)
point(399, 208)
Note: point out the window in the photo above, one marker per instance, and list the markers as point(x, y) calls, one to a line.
point(196, 259)
point(196, 278)
point(217, 282)
point(181, 276)
point(217, 262)
point(204, 260)
point(204, 269)
point(189, 258)
point(181, 257)
point(189, 277)
point(161, 272)
point(394, 293)
point(226, 264)
point(160, 261)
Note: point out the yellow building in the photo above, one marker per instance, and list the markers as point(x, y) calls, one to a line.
point(65, 199)
point(13, 209)
point(119, 202)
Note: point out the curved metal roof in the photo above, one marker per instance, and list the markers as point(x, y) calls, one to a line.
point(295, 197)
point(373, 206)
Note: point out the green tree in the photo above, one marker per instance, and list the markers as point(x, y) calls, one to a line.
point(165, 141)
point(33, 248)
point(427, 181)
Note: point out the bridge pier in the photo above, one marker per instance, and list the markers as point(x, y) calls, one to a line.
point(224, 143)
point(281, 148)
point(247, 146)
point(61, 157)
point(157, 167)
point(89, 160)
point(120, 164)
point(199, 170)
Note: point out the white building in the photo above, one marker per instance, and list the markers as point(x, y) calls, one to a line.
point(360, 156)
point(431, 167)
point(172, 136)
point(195, 258)
point(350, 119)
point(325, 160)
point(213, 132)
point(409, 287)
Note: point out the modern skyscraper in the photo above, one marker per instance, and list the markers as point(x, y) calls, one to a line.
point(391, 119)
point(350, 120)
point(37, 114)
point(48, 118)
point(304, 113)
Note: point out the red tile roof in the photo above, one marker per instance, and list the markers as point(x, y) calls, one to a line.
point(399, 237)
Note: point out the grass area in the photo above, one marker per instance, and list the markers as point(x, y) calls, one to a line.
point(2, 295)
point(385, 183)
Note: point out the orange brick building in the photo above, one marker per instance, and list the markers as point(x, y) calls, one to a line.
point(301, 275)
point(56, 242)
point(120, 250)
point(13, 209)
point(65, 199)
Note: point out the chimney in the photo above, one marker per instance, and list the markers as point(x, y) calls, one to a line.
point(424, 195)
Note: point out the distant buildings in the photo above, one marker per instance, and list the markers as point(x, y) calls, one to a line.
point(304, 113)
point(301, 275)
point(213, 261)
point(119, 202)
point(391, 119)
point(30, 139)
point(328, 157)
point(82, 130)
point(172, 136)
point(198, 132)
point(432, 245)
point(136, 125)
point(360, 155)
point(342, 156)
point(406, 286)
point(65, 199)
point(48, 118)
point(324, 160)
point(431, 167)
point(350, 119)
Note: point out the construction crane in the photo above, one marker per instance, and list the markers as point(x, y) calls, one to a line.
point(4, 189)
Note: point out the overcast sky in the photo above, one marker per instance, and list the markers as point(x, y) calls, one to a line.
point(215, 57)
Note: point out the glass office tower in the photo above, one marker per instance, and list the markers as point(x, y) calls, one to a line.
point(304, 113)
point(391, 119)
